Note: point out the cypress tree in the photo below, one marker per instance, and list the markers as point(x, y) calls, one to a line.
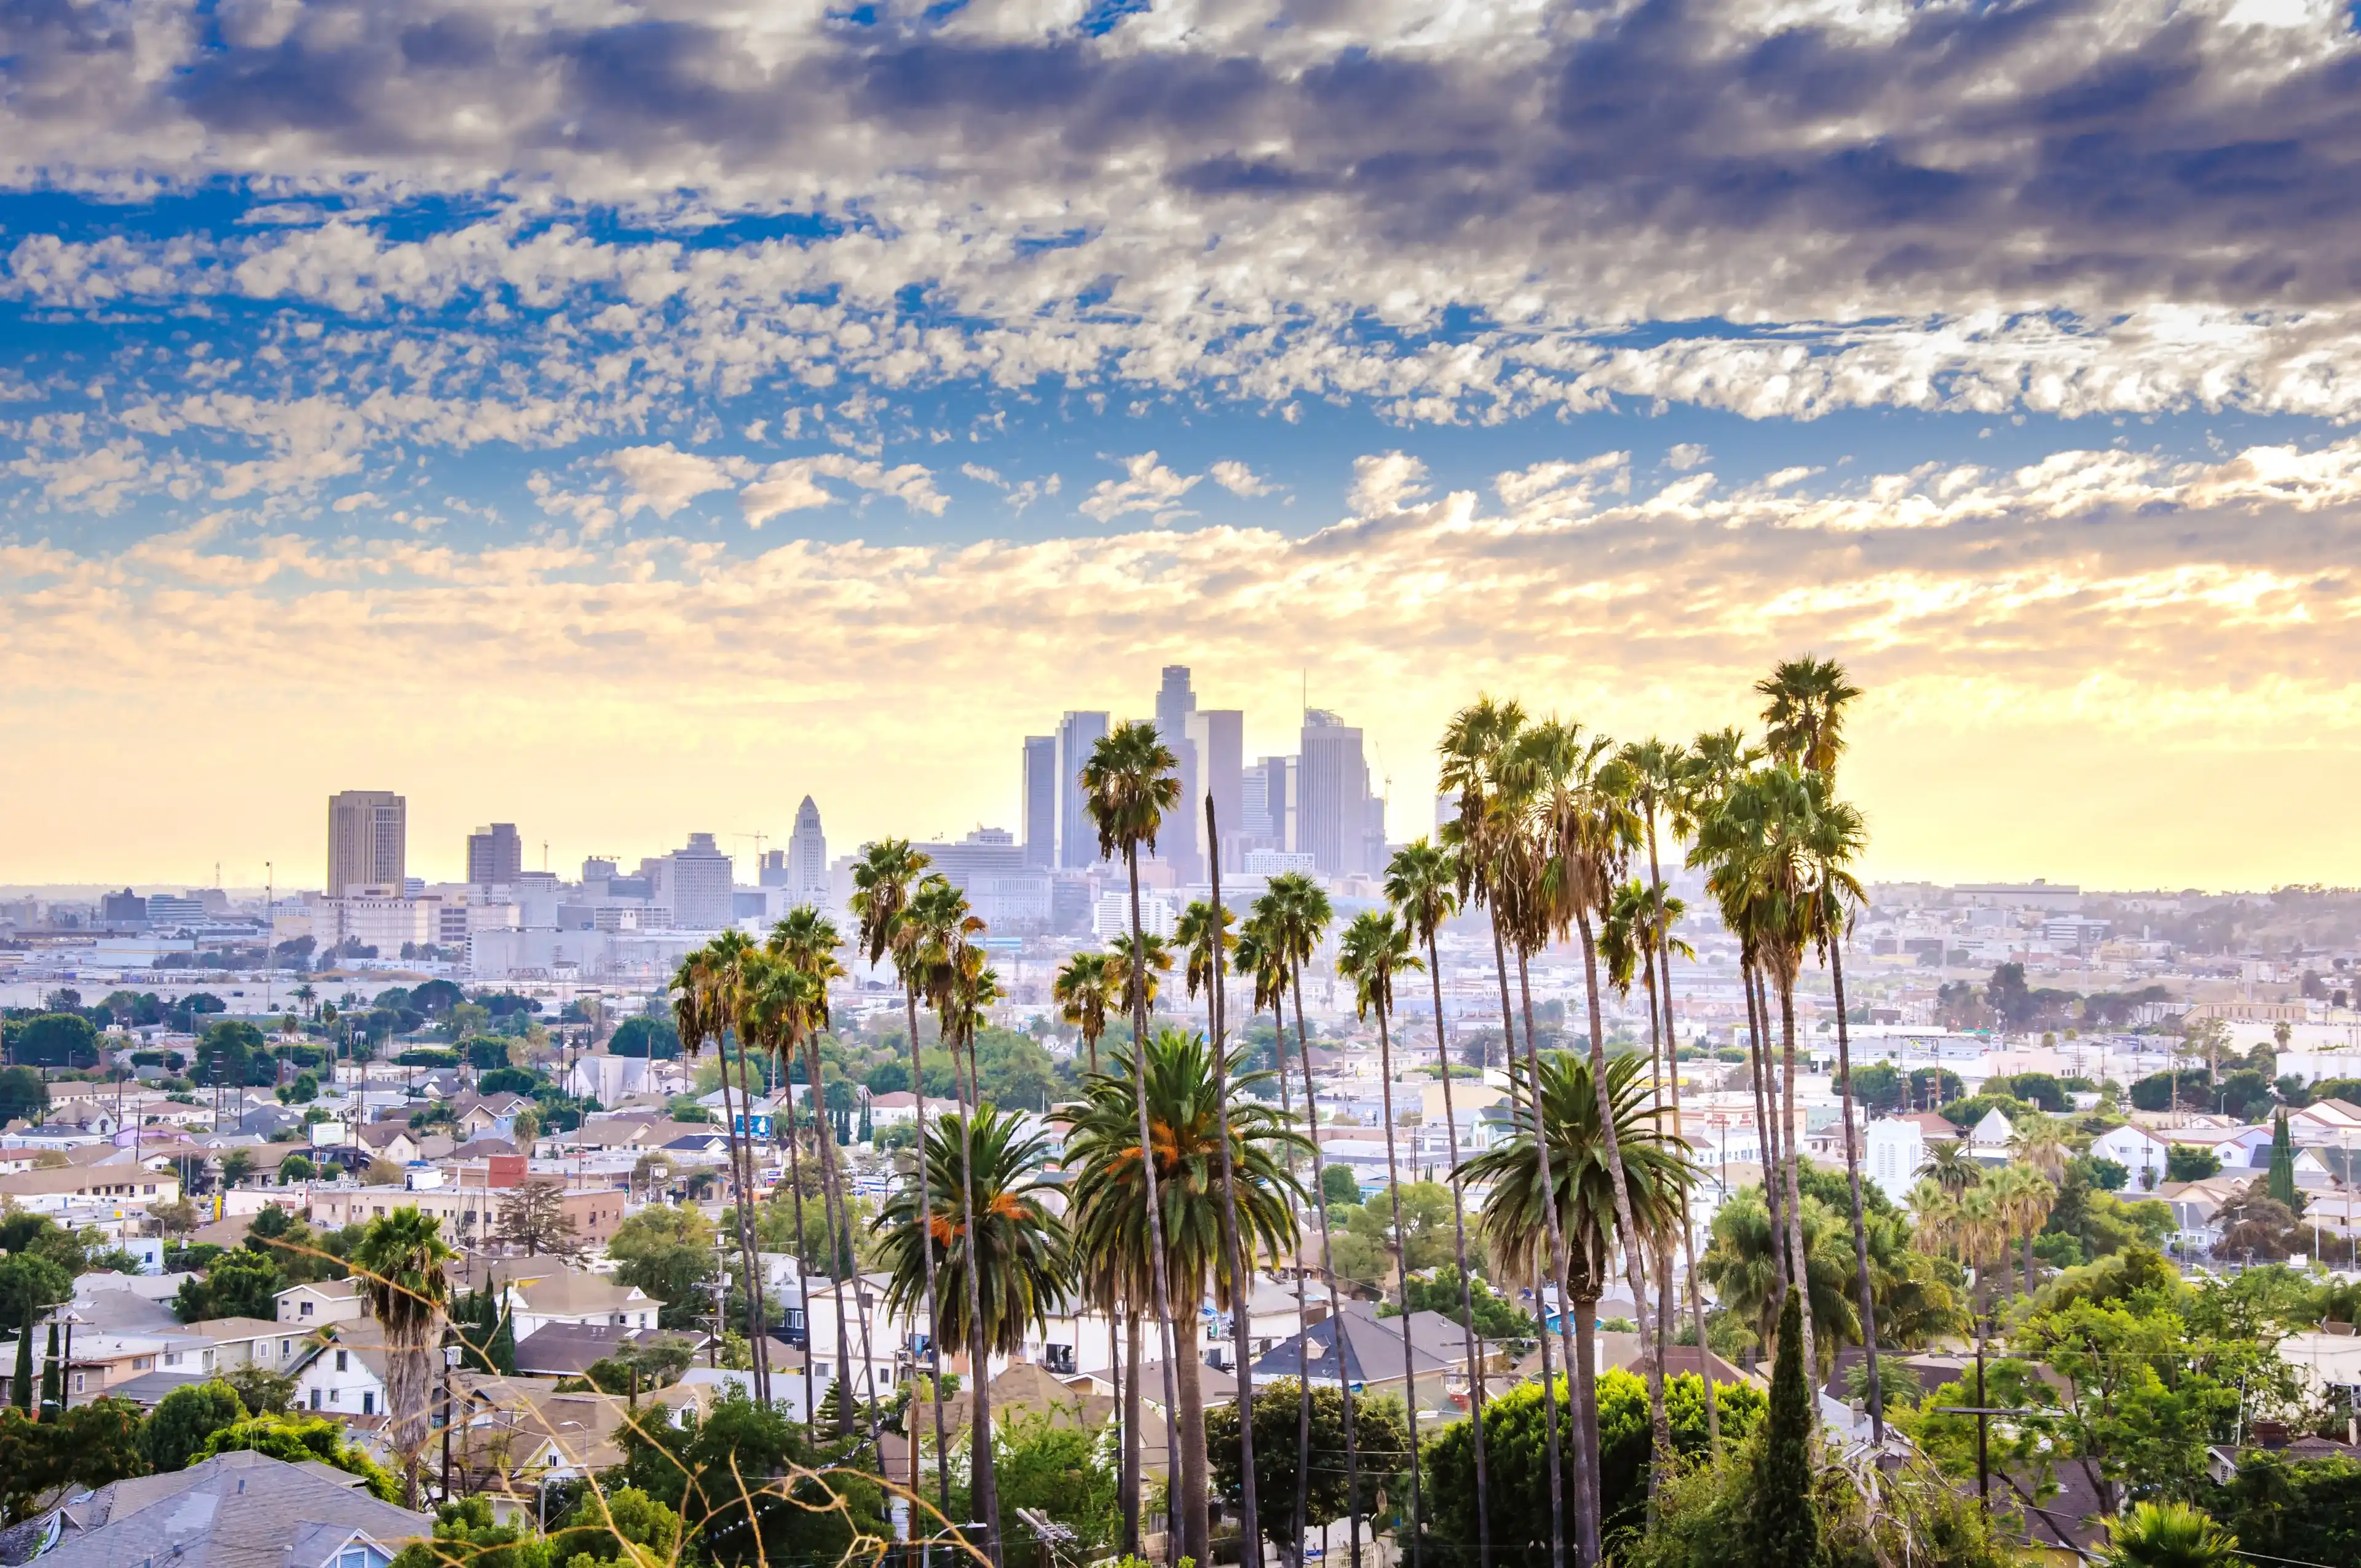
point(54, 1381)
point(501, 1352)
point(2282, 1182)
point(1787, 1523)
point(21, 1396)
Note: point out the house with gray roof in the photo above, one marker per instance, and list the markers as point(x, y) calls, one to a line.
point(239, 1509)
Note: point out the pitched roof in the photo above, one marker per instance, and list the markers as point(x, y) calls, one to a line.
point(567, 1291)
point(1358, 1345)
point(240, 1509)
point(568, 1349)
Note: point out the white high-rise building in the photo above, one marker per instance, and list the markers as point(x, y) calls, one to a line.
point(808, 854)
point(1038, 801)
point(369, 840)
point(1078, 837)
point(1335, 807)
point(694, 883)
point(1178, 843)
point(1217, 738)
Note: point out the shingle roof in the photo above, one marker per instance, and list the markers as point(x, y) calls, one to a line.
point(568, 1349)
point(236, 1510)
point(1371, 1347)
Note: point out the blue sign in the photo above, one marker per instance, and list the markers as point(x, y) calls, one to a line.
point(762, 1126)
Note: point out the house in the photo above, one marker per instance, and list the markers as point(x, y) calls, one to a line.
point(469, 1212)
point(322, 1302)
point(1990, 1136)
point(2140, 1150)
point(2273, 1437)
point(574, 1295)
point(344, 1380)
point(127, 1187)
point(2327, 1361)
point(393, 1141)
point(494, 1113)
point(222, 1344)
point(1894, 1147)
point(567, 1350)
point(265, 1120)
point(2238, 1149)
point(233, 1510)
point(1357, 1347)
point(892, 1110)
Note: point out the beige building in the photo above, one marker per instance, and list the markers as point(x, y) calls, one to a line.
point(369, 840)
point(469, 1214)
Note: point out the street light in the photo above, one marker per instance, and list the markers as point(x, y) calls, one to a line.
point(450, 1370)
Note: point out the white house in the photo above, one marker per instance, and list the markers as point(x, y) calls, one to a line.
point(1894, 1147)
point(344, 1380)
point(570, 1296)
point(2137, 1149)
point(321, 1302)
point(1989, 1139)
point(892, 1110)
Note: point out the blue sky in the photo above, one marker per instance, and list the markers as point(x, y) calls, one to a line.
point(638, 417)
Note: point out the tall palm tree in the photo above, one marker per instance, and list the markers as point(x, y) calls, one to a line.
point(993, 1258)
point(1804, 712)
point(1294, 914)
point(1374, 949)
point(1130, 782)
point(1193, 935)
point(1188, 1122)
point(881, 903)
point(706, 994)
point(1589, 830)
point(1156, 962)
point(1084, 990)
point(398, 1261)
point(1477, 751)
point(1422, 886)
point(1235, 1252)
point(2022, 1198)
point(951, 969)
point(777, 994)
point(1652, 1171)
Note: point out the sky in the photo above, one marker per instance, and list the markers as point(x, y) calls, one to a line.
point(624, 420)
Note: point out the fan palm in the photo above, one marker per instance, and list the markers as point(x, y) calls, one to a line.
point(1651, 1169)
point(777, 996)
point(1804, 712)
point(1193, 935)
point(994, 1256)
point(2166, 1535)
point(1291, 918)
point(1744, 1265)
point(1374, 949)
point(1084, 989)
point(1479, 754)
point(2040, 1141)
point(1588, 829)
point(398, 1261)
point(1422, 885)
point(1951, 1165)
point(706, 994)
point(881, 903)
point(1189, 1120)
point(2022, 1198)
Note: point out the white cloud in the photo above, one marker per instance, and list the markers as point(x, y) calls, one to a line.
point(1683, 455)
point(1240, 480)
point(1147, 486)
point(663, 479)
point(1385, 485)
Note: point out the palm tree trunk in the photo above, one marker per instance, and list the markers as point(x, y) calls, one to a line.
point(1234, 1241)
point(1402, 1271)
point(760, 1344)
point(1335, 1296)
point(984, 1493)
point(1585, 1382)
point(1860, 1220)
point(1195, 1516)
point(1129, 1489)
point(926, 1276)
point(1509, 1054)
point(1138, 967)
point(1803, 1263)
point(1302, 1312)
point(745, 1223)
point(1585, 1552)
point(840, 1262)
point(1652, 1364)
point(803, 1270)
point(1657, 1051)
point(1756, 1033)
point(1472, 1341)
point(1550, 1421)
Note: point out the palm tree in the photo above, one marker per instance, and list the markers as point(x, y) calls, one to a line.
point(1588, 829)
point(1188, 1122)
point(777, 995)
point(881, 903)
point(1950, 1167)
point(1083, 991)
point(1651, 1167)
point(2166, 1535)
point(2040, 1141)
point(1373, 950)
point(2023, 1198)
point(706, 993)
point(1804, 713)
point(1193, 935)
point(1130, 782)
point(1155, 963)
point(1744, 1266)
point(1422, 886)
point(992, 1279)
point(1478, 751)
point(398, 1261)
point(1293, 915)
point(1234, 1250)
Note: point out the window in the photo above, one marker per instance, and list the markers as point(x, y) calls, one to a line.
point(286, 1346)
point(315, 1399)
point(343, 1362)
point(1058, 1358)
point(368, 1402)
point(305, 1310)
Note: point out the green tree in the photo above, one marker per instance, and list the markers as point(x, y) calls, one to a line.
point(2282, 1178)
point(1787, 1519)
point(299, 1440)
point(667, 1251)
point(650, 1036)
point(694, 1469)
point(176, 1430)
point(51, 1039)
point(1063, 1470)
point(23, 1095)
point(30, 1284)
point(1340, 1186)
point(2183, 1162)
point(87, 1447)
point(1444, 1293)
point(398, 1261)
point(2293, 1510)
point(261, 1390)
point(238, 1285)
point(2166, 1535)
point(1380, 1445)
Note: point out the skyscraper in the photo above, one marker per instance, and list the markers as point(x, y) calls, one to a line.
point(1217, 737)
point(808, 853)
point(695, 884)
point(1267, 803)
point(495, 855)
point(1176, 842)
point(1335, 814)
point(1038, 800)
point(369, 840)
point(1078, 837)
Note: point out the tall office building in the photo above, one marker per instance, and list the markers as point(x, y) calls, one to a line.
point(1176, 842)
point(1217, 738)
point(808, 853)
point(1334, 809)
point(1078, 837)
point(495, 855)
point(369, 840)
point(694, 883)
point(1038, 800)
point(1266, 801)
point(771, 871)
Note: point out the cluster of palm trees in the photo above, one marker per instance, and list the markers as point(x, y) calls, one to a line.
point(1560, 835)
point(1977, 1215)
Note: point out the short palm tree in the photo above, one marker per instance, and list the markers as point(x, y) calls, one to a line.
point(1188, 1121)
point(2166, 1535)
point(1653, 1171)
point(2022, 1198)
point(1951, 1165)
point(2040, 1141)
point(1130, 782)
point(398, 1261)
point(1745, 1265)
point(1083, 992)
point(1156, 964)
point(984, 1182)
